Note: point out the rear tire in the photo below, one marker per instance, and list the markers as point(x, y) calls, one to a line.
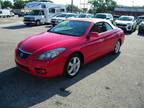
point(27, 24)
point(72, 66)
point(117, 47)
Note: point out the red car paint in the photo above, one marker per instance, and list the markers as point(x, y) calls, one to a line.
point(91, 49)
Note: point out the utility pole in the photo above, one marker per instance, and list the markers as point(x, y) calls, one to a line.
point(71, 6)
point(133, 3)
point(0, 5)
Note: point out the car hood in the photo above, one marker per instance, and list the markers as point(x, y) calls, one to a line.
point(29, 16)
point(47, 41)
point(59, 18)
point(123, 22)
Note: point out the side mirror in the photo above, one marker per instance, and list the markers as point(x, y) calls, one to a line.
point(93, 34)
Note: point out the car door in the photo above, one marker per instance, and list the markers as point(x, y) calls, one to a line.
point(94, 46)
point(108, 37)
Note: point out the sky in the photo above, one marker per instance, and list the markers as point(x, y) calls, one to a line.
point(119, 2)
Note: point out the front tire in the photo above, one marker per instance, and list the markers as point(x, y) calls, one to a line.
point(72, 66)
point(117, 47)
point(38, 23)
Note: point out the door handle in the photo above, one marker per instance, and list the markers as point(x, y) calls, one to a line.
point(100, 40)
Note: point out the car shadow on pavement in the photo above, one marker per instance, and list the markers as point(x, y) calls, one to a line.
point(21, 26)
point(128, 33)
point(22, 90)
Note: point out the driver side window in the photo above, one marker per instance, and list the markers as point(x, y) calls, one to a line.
point(101, 27)
point(97, 27)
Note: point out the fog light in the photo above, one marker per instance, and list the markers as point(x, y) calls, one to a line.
point(40, 71)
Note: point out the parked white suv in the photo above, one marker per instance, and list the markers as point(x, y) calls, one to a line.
point(61, 17)
point(127, 23)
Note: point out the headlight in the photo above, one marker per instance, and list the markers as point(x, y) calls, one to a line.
point(51, 54)
point(129, 24)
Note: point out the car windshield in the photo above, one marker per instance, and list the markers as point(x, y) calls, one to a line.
point(126, 18)
point(82, 16)
point(70, 15)
point(73, 28)
point(62, 15)
point(102, 16)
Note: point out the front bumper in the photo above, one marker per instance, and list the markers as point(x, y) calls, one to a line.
point(29, 21)
point(125, 27)
point(40, 68)
point(54, 22)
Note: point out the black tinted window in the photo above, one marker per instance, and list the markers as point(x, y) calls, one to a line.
point(97, 27)
point(102, 16)
point(62, 10)
point(101, 27)
point(70, 15)
point(51, 10)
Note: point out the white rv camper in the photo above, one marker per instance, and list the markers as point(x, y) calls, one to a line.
point(42, 12)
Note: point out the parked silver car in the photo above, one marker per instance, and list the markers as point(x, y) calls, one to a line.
point(141, 29)
point(106, 16)
point(140, 19)
point(61, 17)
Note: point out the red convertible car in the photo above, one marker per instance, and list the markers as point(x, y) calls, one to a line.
point(63, 49)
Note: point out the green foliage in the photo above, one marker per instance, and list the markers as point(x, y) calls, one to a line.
point(6, 4)
point(41, 1)
point(72, 8)
point(102, 5)
point(19, 4)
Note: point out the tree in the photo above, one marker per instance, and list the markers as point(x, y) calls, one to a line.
point(72, 8)
point(41, 1)
point(46, 1)
point(19, 4)
point(1, 3)
point(102, 5)
point(6, 4)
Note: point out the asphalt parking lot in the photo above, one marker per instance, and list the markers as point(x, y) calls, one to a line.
point(113, 81)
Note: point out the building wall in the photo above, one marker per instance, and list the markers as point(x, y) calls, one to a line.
point(135, 11)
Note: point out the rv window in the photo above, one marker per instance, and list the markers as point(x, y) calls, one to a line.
point(0, 12)
point(42, 12)
point(51, 10)
point(62, 10)
point(36, 12)
point(43, 6)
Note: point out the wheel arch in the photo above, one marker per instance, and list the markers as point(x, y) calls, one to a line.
point(120, 40)
point(80, 54)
